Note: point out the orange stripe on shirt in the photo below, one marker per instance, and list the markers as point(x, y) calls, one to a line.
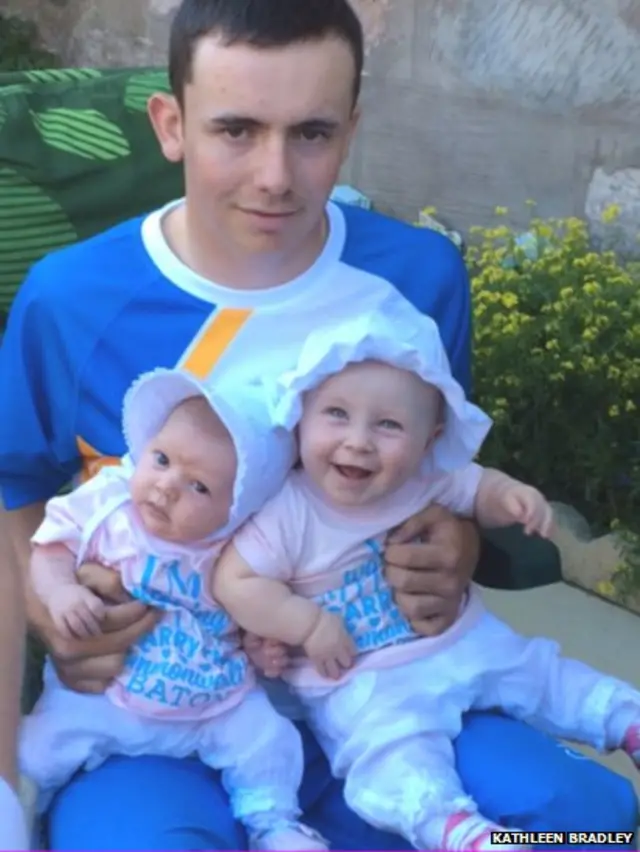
point(214, 340)
point(92, 460)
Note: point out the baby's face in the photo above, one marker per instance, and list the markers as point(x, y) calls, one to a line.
point(183, 483)
point(365, 431)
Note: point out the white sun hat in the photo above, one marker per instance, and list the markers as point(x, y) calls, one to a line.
point(265, 452)
point(412, 344)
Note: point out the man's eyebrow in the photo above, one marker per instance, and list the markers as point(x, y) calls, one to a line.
point(237, 120)
point(231, 119)
point(317, 124)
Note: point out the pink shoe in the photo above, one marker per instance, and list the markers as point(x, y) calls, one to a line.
point(286, 837)
point(467, 832)
point(631, 744)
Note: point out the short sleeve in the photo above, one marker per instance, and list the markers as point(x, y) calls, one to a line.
point(270, 541)
point(67, 519)
point(37, 449)
point(457, 491)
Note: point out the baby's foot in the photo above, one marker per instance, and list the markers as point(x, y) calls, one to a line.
point(472, 832)
point(631, 744)
point(288, 836)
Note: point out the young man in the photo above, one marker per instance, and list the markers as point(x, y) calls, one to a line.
point(263, 109)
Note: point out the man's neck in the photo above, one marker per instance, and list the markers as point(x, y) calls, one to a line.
point(234, 269)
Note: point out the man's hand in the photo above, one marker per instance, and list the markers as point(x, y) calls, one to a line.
point(430, 560)
point(89, 665)
point(76, 611)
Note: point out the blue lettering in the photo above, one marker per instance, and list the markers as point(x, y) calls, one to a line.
point(351, 576)
point(181, 639)
point(189, 587)
point(351, 611)
point(146, 582)
point(181, 692)
point(369, 605)
point(158, 692)
point(137, 683)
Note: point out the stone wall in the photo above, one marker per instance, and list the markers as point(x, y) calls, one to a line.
point(468, 104)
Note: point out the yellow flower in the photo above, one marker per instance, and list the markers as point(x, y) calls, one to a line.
point(509, 300)
point(610, 213)
point(606, 588)
point(614, 411)
point(501, 211)
point(630, 406)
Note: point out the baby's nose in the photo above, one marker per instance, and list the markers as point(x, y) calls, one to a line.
point(359, 438)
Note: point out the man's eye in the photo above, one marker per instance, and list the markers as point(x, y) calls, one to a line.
point(387, 423)
point(235, 131)
point(200, 487)
point(161, 459)
point(313, 134)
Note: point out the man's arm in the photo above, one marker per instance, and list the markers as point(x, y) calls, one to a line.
point(87, 664)
point(12, 636)
point(18, 528)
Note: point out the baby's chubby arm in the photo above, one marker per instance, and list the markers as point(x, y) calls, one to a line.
point(74, 609)
point(502, 500)
point(267, 607)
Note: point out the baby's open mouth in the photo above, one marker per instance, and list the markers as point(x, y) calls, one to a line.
point(350, 471)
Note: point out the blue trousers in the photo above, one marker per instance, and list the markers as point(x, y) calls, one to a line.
point(518, 776)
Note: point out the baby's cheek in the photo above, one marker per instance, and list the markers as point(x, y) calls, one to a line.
point(139, 487)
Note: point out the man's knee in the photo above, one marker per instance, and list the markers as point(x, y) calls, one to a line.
point(144, 803)
point(522, 778)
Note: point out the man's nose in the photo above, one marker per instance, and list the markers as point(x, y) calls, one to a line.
point(273, 166)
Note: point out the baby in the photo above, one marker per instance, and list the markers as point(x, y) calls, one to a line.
point(198, 468)
point(384, 430)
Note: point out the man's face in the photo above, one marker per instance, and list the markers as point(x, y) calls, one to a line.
point(263, 135)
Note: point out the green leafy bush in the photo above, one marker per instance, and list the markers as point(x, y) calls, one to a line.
point(557, 365)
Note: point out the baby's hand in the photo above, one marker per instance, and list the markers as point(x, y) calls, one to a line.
point(76, 611)
point(527, 506)
point(329, 647)
point(267, 655)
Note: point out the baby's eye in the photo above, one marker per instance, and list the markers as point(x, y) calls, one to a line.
point(387, 423)
point(336, 411)
point(199, 487)
point(161, 459)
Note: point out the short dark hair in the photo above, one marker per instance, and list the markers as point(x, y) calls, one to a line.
point(261, 23)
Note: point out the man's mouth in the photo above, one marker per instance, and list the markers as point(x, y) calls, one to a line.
point(350, 471)
point(272, 214)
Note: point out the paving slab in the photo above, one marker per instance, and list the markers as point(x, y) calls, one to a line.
point(588, 628)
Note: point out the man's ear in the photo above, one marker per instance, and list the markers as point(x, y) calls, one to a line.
point(165, 115)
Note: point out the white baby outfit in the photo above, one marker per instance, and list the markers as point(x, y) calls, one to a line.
point(187, 687)
point(388, 725)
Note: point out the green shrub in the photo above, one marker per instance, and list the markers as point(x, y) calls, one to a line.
point(557, 365)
